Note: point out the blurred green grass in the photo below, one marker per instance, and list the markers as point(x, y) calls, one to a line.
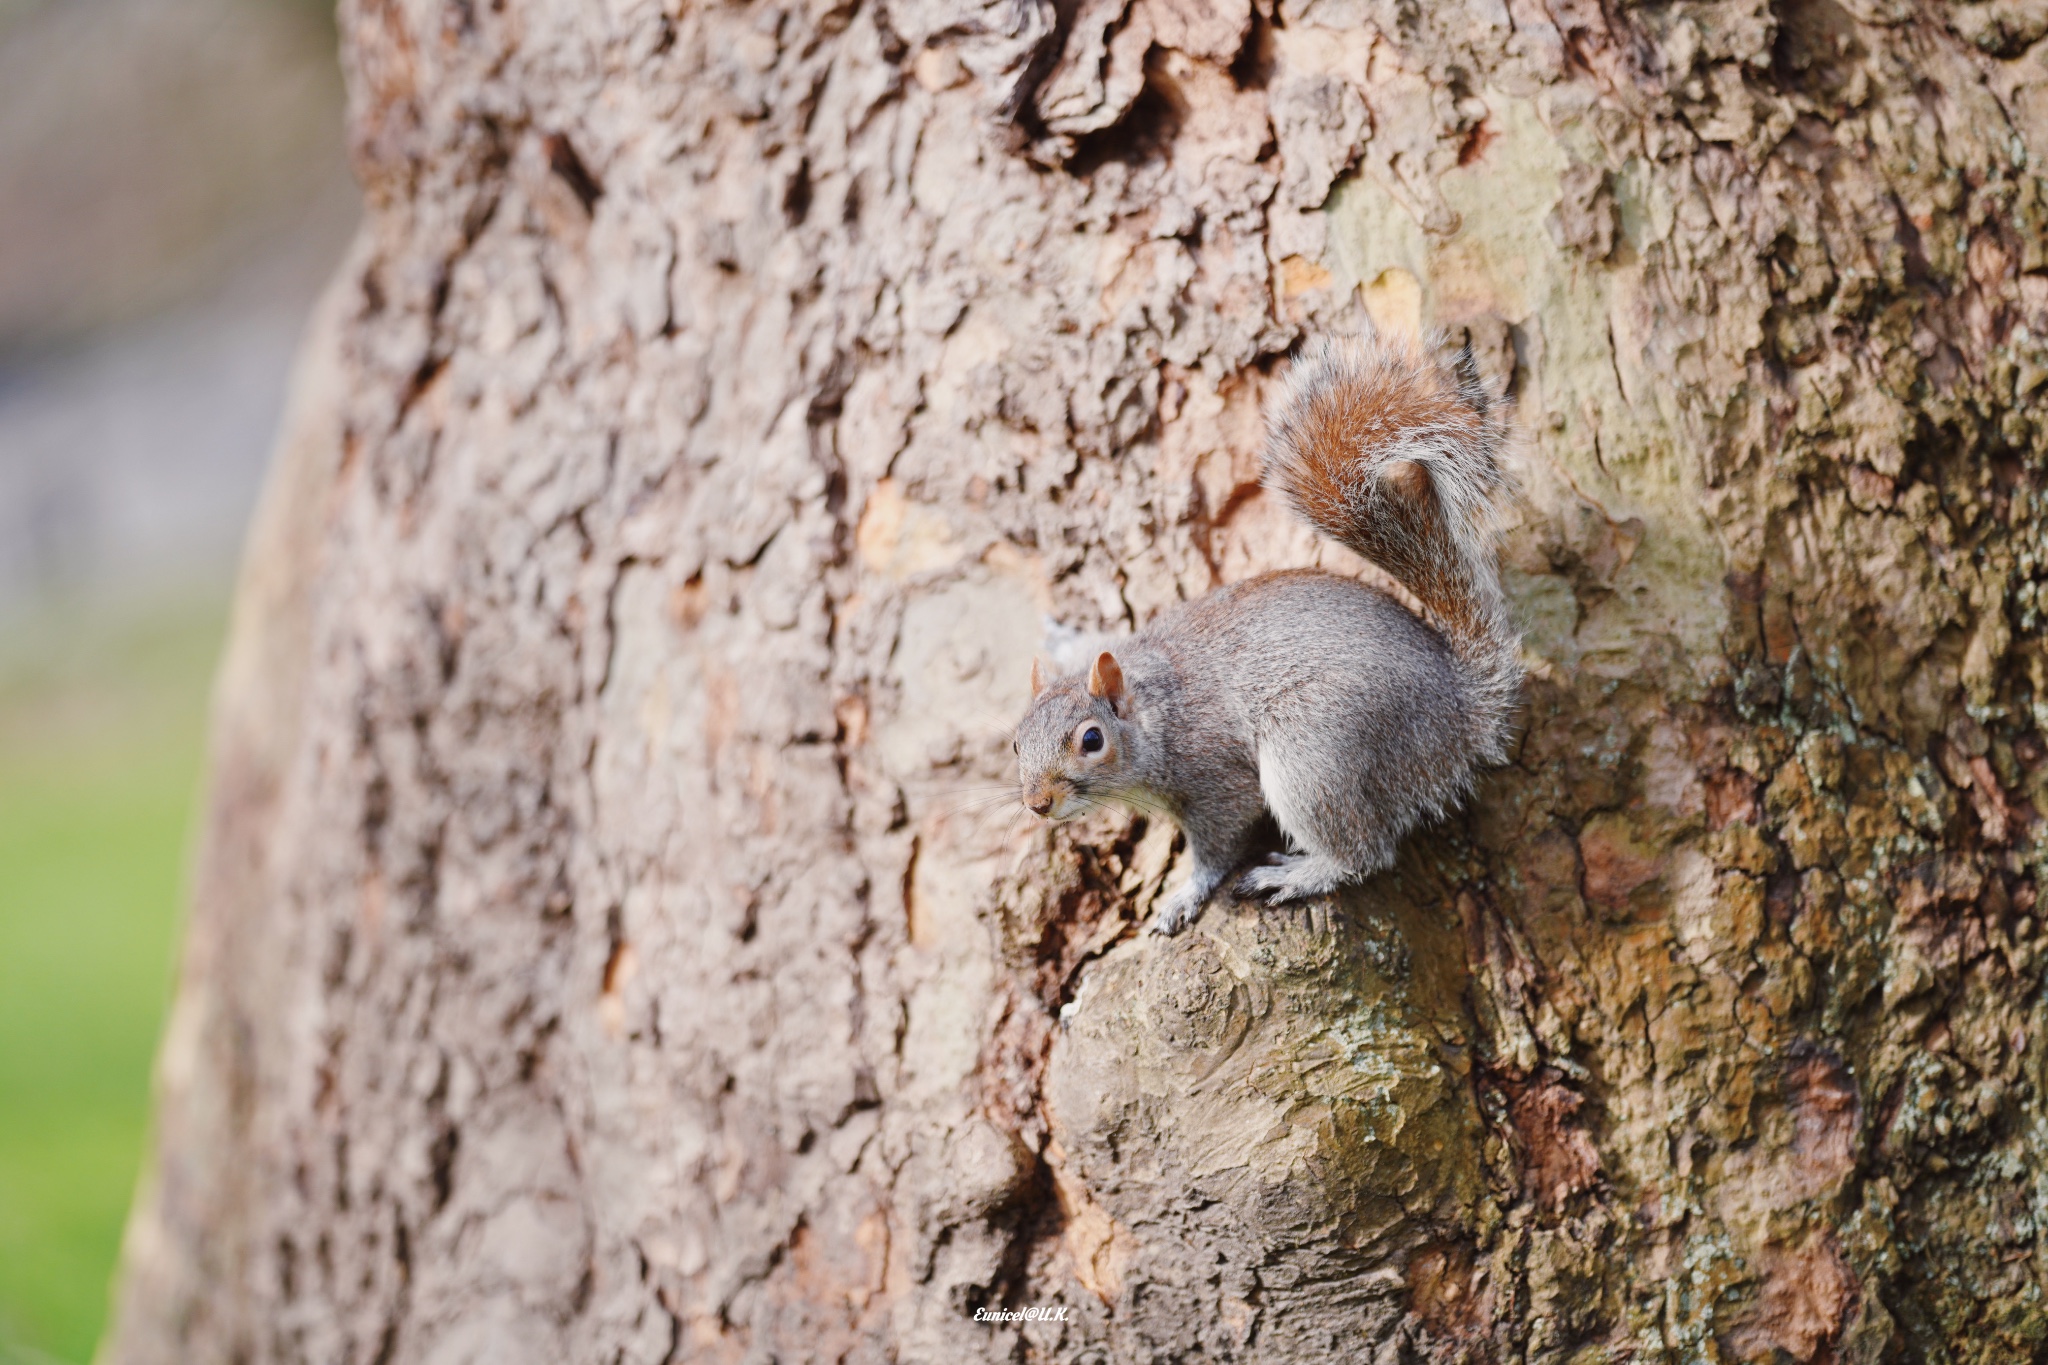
point(102, 717)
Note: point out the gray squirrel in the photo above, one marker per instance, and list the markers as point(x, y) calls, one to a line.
point(1309, 694)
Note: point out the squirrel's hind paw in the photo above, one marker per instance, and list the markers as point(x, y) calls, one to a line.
point(1293, 877)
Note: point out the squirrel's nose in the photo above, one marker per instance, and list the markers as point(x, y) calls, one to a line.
point(1041, 805)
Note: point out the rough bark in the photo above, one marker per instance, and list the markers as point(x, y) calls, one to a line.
point(603, 948)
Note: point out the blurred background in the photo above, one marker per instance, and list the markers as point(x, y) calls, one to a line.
point(173, 194)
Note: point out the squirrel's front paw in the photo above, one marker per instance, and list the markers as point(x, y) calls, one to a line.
point(1177, 912)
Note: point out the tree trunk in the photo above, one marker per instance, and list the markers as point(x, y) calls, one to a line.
point(612, 941)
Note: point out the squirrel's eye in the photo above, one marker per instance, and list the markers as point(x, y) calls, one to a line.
point(1091, 741)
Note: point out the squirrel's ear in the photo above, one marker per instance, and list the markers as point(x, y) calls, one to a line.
point(1037, 677)
point(1106, 679)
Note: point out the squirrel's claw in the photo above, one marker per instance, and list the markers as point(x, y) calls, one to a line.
point(1259, 884)
point(1176, 913)
point(1292, 877)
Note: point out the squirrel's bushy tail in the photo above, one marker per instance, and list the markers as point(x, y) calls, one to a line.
point(1386, 450)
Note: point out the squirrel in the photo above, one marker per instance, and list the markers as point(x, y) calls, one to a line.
point(1308, 694)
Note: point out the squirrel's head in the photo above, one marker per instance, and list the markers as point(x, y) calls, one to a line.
point(1073, 747)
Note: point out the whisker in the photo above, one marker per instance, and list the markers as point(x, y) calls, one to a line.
point(988, 726)
point(1150, 805)
point(977, 801)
